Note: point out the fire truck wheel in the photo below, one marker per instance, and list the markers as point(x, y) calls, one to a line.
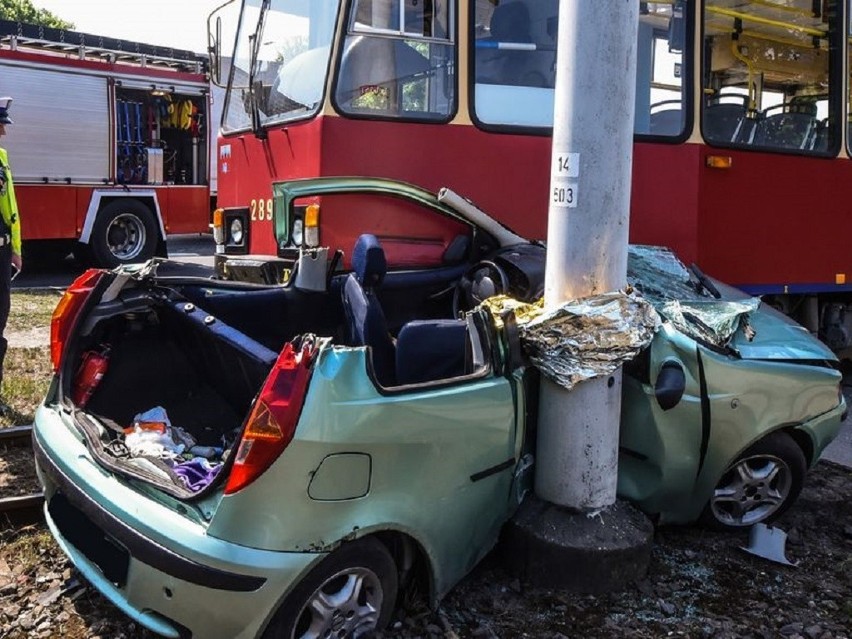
point(124, 232)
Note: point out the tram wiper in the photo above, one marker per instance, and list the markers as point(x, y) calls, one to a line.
point(255, 88)
point(702, 282)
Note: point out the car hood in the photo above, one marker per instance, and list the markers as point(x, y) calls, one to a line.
point(734, 321)
point(777, 337)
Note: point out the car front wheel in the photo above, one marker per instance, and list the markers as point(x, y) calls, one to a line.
point(351, 593)
point(759, 486)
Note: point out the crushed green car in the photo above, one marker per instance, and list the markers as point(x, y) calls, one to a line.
point(231, 459)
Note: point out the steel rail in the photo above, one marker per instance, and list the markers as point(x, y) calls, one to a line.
point(16, 434)
point(22, 509)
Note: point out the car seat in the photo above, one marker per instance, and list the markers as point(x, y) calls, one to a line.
point(430, 350)
point(365, 319)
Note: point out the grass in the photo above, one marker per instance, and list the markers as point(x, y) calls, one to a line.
point(26, 377)
point(27, 371)
point(32, 309)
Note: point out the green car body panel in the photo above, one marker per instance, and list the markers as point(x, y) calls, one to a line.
point(211, 612)
point(667, 465)
point(441, 439)
point(440, 466)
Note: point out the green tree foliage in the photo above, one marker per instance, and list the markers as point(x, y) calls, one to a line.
point(24, 11)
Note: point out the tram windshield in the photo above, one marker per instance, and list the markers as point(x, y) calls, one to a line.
point(280, 62)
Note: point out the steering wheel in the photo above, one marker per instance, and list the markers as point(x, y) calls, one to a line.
point(481, 281)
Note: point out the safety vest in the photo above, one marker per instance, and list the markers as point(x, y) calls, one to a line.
point(8, 204)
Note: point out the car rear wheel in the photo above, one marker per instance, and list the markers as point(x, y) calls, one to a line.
point(351, 593)
point(759, 486)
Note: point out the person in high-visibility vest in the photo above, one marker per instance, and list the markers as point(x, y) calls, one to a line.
point(10, 234)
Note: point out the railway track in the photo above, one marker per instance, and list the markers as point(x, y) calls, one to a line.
point(20, 509)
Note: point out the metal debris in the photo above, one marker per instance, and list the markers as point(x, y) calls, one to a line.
point(768, 543)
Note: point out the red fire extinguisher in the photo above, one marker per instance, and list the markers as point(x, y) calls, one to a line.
point(93, 365)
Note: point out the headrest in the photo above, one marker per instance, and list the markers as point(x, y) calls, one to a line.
point(368, 260)
point(510, 22)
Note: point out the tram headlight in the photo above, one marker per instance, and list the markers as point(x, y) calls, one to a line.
point(298, 232)
point(236, 231)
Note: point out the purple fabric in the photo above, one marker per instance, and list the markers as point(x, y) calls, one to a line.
point(197, 473)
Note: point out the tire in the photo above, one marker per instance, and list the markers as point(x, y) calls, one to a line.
point(124, 232)
point(351, 593)
point(759, 486)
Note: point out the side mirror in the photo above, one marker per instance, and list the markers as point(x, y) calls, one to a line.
point(671, 382)
point(214, 45)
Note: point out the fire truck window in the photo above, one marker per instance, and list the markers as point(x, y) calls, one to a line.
point(290, 67)
point(768, 79)
point(398, 61)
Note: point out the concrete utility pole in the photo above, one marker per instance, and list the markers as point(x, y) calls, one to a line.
point(587, 227)
point(577, 449)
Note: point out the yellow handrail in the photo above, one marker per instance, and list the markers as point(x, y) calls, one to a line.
point(776, 39)
point(752, 101)
point(783, 7)
point(746, 17)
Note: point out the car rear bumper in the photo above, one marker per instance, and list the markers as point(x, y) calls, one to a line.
point(158, 566)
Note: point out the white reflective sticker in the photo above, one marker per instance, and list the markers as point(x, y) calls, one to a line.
point(564, 194)
point(565, 165)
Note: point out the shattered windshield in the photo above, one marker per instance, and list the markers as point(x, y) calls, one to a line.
point(289, 42)
point(679, 296)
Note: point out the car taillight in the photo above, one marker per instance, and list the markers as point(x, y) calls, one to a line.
point(273, 418)
point(66, 312)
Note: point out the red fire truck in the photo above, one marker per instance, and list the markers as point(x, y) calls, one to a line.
point(110, 149)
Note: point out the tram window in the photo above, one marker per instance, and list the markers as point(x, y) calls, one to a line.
point(848, 118)
point(768, 75)
point(514, 64)
point(398, 61)
point(661, 104)
point(514, 60)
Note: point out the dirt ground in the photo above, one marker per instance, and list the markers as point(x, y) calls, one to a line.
point(700, 584)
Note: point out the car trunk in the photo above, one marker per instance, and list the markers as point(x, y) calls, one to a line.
point(165, 352)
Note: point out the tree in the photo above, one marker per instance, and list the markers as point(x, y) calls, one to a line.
point(24, 11)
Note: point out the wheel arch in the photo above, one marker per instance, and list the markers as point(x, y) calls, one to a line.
point(416, 573)
point(146, 197)
point(414, 570)
point(803, 441)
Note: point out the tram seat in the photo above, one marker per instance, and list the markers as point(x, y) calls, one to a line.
point(723, 121)
point(821, 138)
point(791, 130)
point(510, 22)
point(744, 132)
point(667, 121)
